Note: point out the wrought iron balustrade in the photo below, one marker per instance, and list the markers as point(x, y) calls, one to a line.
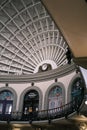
point(48, 114)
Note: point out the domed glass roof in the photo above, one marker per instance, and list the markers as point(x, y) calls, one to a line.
point(29, 38)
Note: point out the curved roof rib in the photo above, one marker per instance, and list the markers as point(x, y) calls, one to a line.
point(28, 37)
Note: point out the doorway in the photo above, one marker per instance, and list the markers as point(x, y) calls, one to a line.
point(31, 104)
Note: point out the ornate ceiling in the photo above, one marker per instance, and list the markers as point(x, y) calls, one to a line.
point(29, 38)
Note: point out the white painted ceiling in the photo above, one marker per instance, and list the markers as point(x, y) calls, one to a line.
point(28, 37)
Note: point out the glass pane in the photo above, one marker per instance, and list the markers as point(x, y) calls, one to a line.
point(1, 106)
point(56, 91)
point(6, 95)
point(76, 88)
point(55, 97)
point(8, 109)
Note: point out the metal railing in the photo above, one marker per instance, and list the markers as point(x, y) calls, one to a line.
point(48, 114)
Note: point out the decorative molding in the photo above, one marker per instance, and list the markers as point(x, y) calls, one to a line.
point(43, 76)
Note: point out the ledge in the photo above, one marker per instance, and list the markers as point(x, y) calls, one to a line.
point(52, 74)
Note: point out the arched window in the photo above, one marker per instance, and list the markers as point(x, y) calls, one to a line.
point(6, 95)
point(6, 102)
point(77, 90)
point(31, 101)
point(55, 98)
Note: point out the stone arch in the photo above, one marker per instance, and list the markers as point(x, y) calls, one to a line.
point(27, 90)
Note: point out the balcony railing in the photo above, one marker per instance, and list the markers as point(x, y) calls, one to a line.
point(48, 114)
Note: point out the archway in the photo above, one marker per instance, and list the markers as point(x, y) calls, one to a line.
point(30, 104)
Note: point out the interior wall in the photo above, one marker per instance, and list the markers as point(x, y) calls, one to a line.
point(43, 86)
